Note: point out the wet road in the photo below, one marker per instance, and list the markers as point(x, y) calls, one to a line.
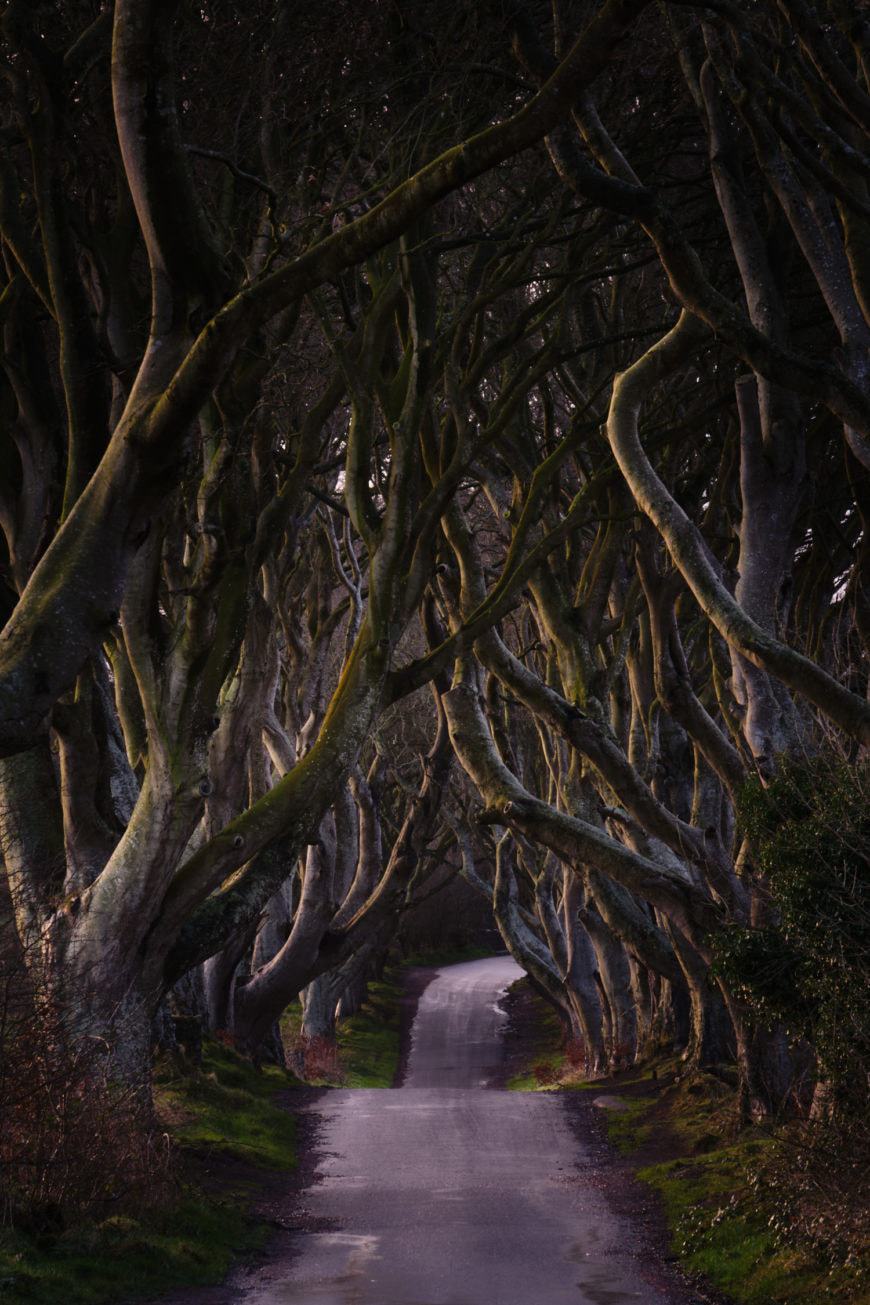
point(450, 1192)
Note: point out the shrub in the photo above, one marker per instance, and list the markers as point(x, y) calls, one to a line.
point(824, 1166)
point(575, 1055)
point(545, 1075)
point(76, 1142)
point(807, 965)
point(316, 1060)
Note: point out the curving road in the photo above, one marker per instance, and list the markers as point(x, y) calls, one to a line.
point(450, 1192)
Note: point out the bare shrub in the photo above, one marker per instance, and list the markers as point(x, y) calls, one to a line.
point(312, 1059)
point(320, 1060)
point(78, 1139)
point(575, 1056)
point(824, 1166)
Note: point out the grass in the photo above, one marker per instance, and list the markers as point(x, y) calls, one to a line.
point(194, 1241)
point(229, 1108)
point(722, 1231)
point(367, 1042)
point(438, 957)
point(547, 1064)
point(224, 1111)
point(626, 1128)
point(544, 1061)
point(722, 1221)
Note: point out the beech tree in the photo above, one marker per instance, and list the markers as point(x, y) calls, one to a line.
point(176, 583)
point(515, 359)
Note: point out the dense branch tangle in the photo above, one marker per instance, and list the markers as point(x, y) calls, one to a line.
point(563, 393)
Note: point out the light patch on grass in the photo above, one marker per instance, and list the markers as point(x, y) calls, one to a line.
point(626, 1127)
point(530, 1083)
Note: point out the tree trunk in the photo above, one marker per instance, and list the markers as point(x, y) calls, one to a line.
point(319, 1010)
point(711, 1038)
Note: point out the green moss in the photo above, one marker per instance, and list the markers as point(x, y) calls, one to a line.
point(627, 1128)
point(720, 1231)
point(229, 1107)
point(528, 1082)
point(194, 1241)
point(721, 1221)
point(368, 1042)
point(225, 1108)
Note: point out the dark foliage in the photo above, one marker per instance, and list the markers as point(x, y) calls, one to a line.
point(808, 964)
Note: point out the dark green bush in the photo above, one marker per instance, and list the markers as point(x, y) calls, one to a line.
point(808, 964)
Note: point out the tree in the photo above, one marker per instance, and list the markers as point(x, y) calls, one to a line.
point(574, 410)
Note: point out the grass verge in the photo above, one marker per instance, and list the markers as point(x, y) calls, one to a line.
point(721, 1190)
point(228, 1130)
point(228, 1108)
point(534, 1042)
point(724, 1194)
point(367, 1043)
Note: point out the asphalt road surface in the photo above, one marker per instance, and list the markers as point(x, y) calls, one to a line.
point(448, 1191)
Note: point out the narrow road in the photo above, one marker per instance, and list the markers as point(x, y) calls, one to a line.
point(448, 1191)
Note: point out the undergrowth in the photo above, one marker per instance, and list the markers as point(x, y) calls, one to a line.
point(193, 1241)
point(228, 1107)
point(538, 1051)
point(366, 1051)
point(225, 1110)
point(368, 1042)
point(728, 1199)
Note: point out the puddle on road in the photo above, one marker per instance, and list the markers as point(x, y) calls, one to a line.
point(352, 1286)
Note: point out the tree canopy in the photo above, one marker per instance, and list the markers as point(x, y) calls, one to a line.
point(435, 440)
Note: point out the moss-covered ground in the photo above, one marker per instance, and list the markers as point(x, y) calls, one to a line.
point(229, 1108)
point(224, 1116)
point(536, 1054)
point(368, 1042)
point(191, 1241)
point(724, 1192)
